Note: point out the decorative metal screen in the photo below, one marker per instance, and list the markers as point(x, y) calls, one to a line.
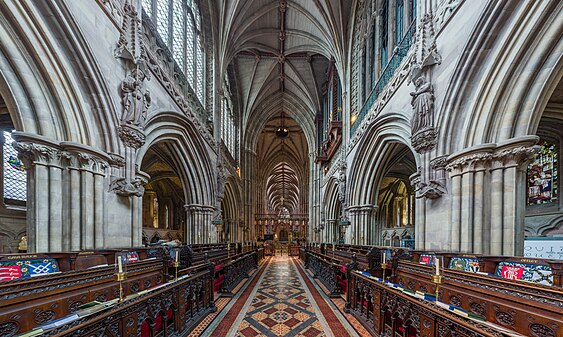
point(15, 176)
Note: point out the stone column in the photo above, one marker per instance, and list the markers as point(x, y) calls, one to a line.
point(497, 209)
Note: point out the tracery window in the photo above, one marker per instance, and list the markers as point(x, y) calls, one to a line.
point(229, 131)
point(384, 43)
point(178, 22)
point(15, 176)
point(543, 175)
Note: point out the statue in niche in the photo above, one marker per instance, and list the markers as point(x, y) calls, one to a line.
point(423, 104)
point(135, 102)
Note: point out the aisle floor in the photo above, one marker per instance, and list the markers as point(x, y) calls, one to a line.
point(280, 301)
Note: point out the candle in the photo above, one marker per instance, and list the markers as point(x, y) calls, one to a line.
point(177, 255)
point(383, 257)
point(119, 265)
point(333, 247)
point(437, 266)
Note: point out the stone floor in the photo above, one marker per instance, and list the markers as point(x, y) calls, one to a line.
point(281, 300)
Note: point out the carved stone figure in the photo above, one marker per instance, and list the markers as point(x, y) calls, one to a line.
point(135, 102)
point(423, 105)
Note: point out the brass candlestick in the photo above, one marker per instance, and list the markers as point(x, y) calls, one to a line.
point(437, 280)
point(120, 277)
point(384, 267)
point(176, 265)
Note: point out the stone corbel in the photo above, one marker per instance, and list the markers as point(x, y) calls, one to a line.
point(134, 187)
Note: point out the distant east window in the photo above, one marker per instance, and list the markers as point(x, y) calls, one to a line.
point(15, 176)
point(542, 175)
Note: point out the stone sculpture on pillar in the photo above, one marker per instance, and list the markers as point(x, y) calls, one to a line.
point(429, 180)
point(135, 101)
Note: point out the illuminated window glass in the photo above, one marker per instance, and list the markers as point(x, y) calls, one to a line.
point(162, 25)
point(147, 5)
point(542, 175)
point(15, 177)
point(190, 51)
point(200, 75)
point(178, 36)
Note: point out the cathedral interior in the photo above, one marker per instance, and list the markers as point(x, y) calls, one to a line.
point(281, 168)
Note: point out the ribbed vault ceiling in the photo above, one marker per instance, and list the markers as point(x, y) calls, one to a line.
point(277, 53)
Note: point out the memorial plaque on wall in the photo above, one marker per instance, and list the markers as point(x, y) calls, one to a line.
point(547, 249)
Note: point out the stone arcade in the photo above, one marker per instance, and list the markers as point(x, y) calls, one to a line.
point(281, 167)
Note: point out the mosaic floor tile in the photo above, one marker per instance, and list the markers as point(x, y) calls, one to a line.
point(281, 305)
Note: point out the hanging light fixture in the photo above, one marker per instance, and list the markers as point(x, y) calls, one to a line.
point(282, 131)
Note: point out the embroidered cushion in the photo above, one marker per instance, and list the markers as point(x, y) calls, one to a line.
point(464, 264)
point(427, 259)
point(526, 272)
point(11, 270)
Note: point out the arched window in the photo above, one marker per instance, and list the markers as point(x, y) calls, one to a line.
point(228, 128)
point(178, 22)
point(399, 20)
point(384, 41)
point(15, 177)
point(542, 178)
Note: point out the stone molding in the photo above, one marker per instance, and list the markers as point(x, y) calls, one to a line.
point(445, 11)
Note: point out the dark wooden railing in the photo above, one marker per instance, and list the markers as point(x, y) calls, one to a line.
point(326, 270)
point(385, 311)
point(237, 269)
point(172, 310)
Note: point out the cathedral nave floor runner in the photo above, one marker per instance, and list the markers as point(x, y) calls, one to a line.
point(280, 301)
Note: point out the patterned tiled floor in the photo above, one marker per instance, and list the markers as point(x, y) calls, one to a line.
point(281, 304)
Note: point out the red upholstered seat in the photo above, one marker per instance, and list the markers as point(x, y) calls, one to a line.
point(343, 269)
point(145, 329)
point(218, 282)
point(218, 267)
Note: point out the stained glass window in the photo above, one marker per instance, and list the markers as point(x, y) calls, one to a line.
point(182, 34)
point(200, 75)
point(178, 36)
point(542, 175)
point(15, 177)
point(399, 12)
point(162, 24)
point(384, 34)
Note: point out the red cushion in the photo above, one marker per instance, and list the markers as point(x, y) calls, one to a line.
point(218, 267)
point(343, 284)
point(158, 323)
point(343, 268)
point(145, 329)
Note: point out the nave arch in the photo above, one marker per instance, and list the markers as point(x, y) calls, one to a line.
point(177, 144)
point(383, 158)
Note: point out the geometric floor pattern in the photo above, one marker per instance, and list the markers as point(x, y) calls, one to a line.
point(280, 306)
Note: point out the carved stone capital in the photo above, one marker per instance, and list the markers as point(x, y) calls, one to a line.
point(32, 153)
point(516, 156)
